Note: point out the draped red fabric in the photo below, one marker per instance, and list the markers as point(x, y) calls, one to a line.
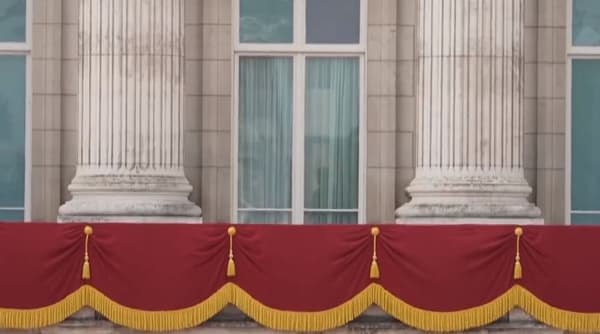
point(303, 268)
point(161, 267)
point(39, 263)
point(447, 268)
point(561, 266)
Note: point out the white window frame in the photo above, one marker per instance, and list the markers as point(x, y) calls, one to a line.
point(573, 53)
point(24, 49)
point(299, 51)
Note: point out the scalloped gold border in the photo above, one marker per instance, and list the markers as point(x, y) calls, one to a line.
point(338, 316)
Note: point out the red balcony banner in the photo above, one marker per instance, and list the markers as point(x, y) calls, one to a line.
point(167, 277)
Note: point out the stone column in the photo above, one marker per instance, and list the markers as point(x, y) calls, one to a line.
point(470, 115)
point(131, 62)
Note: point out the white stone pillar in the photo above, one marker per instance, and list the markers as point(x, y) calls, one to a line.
point(131, 62)
point(470, 115)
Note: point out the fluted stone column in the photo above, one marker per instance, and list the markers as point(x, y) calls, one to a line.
point(131, 59)
point(470, 115)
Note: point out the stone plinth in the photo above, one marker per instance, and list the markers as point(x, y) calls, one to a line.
point(470, 115)
point(131, 75)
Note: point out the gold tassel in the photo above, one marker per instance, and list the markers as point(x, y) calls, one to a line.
point(518, 274)
point(231, 264)
point(374, 265)
point(85, 273)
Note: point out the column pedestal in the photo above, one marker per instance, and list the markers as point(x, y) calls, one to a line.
point(130, 166)
point(470, 116)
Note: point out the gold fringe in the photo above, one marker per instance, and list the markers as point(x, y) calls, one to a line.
point(445, 321)
point(303, 321)
point(231, 264)
point(338, 316)
point(374, 266)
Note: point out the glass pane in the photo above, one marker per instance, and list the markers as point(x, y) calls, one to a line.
point(586, 22)
point(585, 173)
point(12, 131)
point(333, 21)
point(12, 215)
point(584, 219)
point(331, 133)
point(265, 133)
point(12, 20)
point(266, 21)
point(331, 218)
point(265, 217)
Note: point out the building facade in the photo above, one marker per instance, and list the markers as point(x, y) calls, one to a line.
point(304, 111)
point(380, 58)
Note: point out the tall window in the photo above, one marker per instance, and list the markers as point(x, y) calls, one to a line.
point(299, 80)
point(583, 202)
point(14, 63)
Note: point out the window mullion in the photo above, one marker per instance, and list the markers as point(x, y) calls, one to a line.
point(299, 23)
point(298, 151)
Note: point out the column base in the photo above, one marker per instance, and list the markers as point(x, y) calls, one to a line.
point(137, 198)
point(469, 221)
point(130, 219)
point(469, 197)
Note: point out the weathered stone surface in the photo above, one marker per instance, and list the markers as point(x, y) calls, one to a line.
point(470, 115)
point(131, 88)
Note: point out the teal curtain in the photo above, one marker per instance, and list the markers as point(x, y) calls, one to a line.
point(585, 132)
point(12, 137)
point(331, 140)
point(265, 140)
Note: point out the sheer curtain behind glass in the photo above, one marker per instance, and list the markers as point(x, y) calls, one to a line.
point(265, 140)
point(12, 137)
point(331, 140)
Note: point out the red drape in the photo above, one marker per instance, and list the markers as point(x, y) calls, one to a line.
point(300, 269)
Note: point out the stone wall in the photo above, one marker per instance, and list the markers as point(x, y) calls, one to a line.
point(391, 110)
point(551, 107)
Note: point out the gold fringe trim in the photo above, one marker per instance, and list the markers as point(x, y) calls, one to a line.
point(44, 316)
point(446, 321)
point(338, 316)
point(555, 317)
point(304, 321)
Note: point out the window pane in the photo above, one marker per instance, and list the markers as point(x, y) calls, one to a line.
point(333, 21)
point(265, 217)
point(12, 215)
point(12, 131)
point(331, 133)
point(265, 133)
point(586, 22)
point(12, 20)
point(331, 218)
point(266, 21)
point(585, 172)
point(585, 219)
